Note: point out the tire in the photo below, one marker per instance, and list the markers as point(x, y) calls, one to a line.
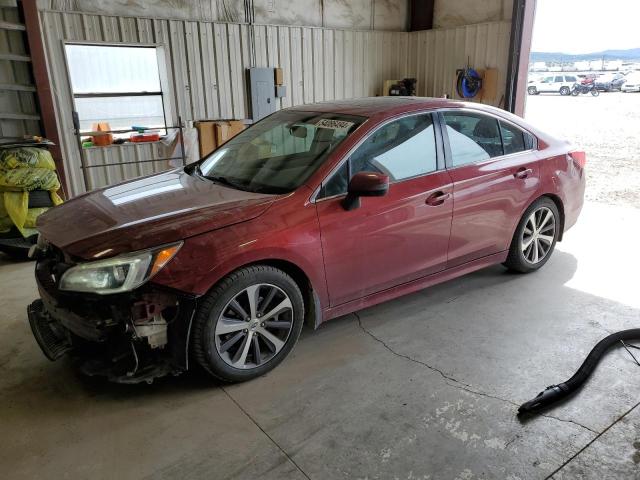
point(218, 350)
point(532, 91)
point(565, 91)
point(521, 258)
point(575, 92)
point(595, 92)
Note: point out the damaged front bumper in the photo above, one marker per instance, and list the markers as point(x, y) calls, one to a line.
point(128, 337)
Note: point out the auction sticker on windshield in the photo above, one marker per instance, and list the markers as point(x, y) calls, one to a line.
point(334, 124)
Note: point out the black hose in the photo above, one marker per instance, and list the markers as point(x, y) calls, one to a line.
point(557, 392)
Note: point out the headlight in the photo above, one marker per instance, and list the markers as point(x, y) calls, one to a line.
point(118, 274)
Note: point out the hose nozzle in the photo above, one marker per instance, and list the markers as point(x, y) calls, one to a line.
point(550, 395)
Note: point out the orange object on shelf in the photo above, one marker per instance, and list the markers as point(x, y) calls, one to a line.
point(144, 137)
point(101, 139)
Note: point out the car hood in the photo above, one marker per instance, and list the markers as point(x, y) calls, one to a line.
point(147, 212)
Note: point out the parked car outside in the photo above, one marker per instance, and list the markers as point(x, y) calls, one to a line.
point(632, 83)
point(553, 84)
point(587, 79)
point(609, 82)
point(311, 213)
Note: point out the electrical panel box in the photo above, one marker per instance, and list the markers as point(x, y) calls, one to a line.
point(262, 88)
point(281, 91)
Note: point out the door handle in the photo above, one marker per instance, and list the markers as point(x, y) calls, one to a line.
point(437, 198)
point(523, 173)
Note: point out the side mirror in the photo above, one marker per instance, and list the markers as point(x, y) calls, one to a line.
point(365, 184)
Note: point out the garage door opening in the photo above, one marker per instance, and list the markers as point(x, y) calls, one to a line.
point(584, 85)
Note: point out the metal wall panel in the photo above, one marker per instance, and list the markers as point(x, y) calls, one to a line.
point(206, 64)
point(17, 95)
point(435, 55)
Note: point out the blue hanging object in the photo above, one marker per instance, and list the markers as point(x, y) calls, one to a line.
point(469, 83)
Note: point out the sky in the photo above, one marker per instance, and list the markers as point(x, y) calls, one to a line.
point(585, 26)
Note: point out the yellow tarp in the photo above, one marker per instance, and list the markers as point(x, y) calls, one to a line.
point(26, 157)
point(22, 170)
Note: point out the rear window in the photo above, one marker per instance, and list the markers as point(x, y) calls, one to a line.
point(570, 78)
point(512, 139)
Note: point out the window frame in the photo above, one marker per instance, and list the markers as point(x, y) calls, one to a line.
point(440, 152)
point(447, 147)
point(165, 89)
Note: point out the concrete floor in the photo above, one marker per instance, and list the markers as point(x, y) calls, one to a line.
point(424, 387)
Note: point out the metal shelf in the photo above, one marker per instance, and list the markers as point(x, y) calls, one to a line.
point(17, 88)
point(14, 57)
point(18, 116)
point(11, 26)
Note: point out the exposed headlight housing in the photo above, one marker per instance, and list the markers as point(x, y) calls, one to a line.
point(118, 274)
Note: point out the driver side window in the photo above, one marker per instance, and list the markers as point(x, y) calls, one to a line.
point(401, 149)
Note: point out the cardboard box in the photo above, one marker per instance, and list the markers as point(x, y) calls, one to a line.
point(490, 85)
point(212, 134)
point(386, 86)
point(278, 76)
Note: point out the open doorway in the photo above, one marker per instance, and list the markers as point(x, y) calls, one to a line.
point(584, 84)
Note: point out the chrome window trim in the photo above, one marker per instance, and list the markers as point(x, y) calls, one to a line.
point(314, 199)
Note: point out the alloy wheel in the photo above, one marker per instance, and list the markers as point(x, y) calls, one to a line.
point(254, 326)
point(538, 235)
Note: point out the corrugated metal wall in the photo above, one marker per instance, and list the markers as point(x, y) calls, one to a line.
point(18, 105)
point(206, 67)
point(206, 63)
point(435, 55)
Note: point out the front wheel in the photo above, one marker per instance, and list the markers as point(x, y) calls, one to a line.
point(532, 91)
point(248, 323)
point(595, 92)
point(564, 91)
point(575, 92)
point(535, 237)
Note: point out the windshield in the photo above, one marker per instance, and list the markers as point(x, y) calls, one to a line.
point(279, 153)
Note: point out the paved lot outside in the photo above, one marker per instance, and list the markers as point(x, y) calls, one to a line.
point(607, 127)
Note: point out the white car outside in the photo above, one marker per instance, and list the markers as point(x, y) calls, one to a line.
point(632, 83)
point(561, 84)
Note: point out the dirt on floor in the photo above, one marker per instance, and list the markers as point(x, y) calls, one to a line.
point(607, 127)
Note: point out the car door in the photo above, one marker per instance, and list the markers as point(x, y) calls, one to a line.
point(495, 174)
point(547, 84)
point(395, 238)
point(558, 83)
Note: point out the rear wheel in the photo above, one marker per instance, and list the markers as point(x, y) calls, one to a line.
point(564, 91)
point(595, 92)
point(248, 323)
point(532, 91)
point(535, 237)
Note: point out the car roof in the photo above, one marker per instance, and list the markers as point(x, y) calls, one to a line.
point(384, 106)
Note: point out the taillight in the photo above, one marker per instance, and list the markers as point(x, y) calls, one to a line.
point(579, 157)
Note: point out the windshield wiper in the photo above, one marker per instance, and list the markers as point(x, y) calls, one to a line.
point(224, 181)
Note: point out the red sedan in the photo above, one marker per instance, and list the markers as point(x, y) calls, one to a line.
point(313, 212)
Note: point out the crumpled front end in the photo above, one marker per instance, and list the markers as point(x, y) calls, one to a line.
point(128, 337)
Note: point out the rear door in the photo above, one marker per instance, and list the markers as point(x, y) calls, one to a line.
point(558, 83)
point(396, 238)
point(495, 174)
point(546, 85)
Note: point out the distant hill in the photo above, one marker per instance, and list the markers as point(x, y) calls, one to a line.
point(629, 54)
